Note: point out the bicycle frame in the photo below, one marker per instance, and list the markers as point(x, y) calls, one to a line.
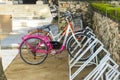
point(68, 29)
point(60, 35)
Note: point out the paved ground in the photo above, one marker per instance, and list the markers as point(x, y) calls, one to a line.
point(53, 68)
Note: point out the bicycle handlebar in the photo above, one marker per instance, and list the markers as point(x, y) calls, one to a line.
point(70, 15)
point(66, 14)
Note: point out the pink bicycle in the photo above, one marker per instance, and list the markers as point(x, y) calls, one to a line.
point(34, 48)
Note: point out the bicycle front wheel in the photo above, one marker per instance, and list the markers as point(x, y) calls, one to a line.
point(76, 44)
point(33, 51)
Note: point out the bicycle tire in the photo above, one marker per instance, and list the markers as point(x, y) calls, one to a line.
point(70, 48)
point(69, 37)
point(33, 58)
point(39, 32)
point(35, 31)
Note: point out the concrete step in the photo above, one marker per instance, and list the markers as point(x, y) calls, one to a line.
point(25, 10)
point(8, 55)
point(12, 41)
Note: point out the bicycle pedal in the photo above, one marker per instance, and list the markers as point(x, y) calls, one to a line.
point(53, 52)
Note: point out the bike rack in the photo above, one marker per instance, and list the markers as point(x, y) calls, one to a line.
point(106, 68)
point(90, 33)
point(77, 46)
point(112, 74)
point(80, 54)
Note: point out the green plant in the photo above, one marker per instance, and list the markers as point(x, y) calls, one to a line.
point(113, 12)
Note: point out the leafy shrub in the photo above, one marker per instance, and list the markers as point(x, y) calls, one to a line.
point(113, 12)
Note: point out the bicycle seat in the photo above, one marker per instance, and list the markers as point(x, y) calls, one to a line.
point(45, 27)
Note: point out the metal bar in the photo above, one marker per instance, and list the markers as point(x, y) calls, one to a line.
point(101, 72)
point(83, 53)
point(79, 51)
point(89, 60)
point(103, 61)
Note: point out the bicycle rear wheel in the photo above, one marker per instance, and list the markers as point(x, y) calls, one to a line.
point(74, 47)
point(30, 51)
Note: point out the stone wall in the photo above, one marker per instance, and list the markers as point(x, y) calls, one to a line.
point(77, 8)
point(107, 31)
